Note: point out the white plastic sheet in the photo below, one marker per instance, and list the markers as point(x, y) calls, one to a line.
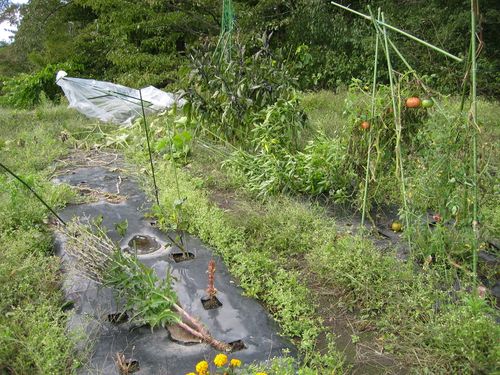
point(113, 103)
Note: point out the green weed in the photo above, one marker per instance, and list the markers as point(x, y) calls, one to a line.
point(269, 244)
point(33, 335)
point(254, 258)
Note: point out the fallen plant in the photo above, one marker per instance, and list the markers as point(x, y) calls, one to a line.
point(150, 299)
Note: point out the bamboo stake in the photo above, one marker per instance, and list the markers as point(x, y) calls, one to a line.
point(466, 75)
point(473, 122)
point(149, 148)
point(382, 23)
point(396, 107)
point(33, 192)
point(374, 91)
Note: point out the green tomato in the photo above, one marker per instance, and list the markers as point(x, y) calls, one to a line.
point(427, 103)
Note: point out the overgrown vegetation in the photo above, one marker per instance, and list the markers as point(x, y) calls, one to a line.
point(271, 245)
point(28, 90)
point(322, 45)
point(252, 130)
point(230, 97)
point(33, 337)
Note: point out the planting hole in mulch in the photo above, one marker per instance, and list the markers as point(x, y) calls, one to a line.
point(117, 318)
point(210, 303)
point(126, 365)
point(132, 366)
point(68, 305)
point(182, 257)
point(181, 336)
point(143, 244)
point(237, 345)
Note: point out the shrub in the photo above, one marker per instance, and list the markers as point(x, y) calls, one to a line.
point(225, 94)
point(28, 90)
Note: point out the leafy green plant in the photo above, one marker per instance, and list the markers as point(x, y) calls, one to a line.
point(322, 167)
point(27, 90)
point(176, 146)
point(149, 298)
point(225, 95)
point(121, 227)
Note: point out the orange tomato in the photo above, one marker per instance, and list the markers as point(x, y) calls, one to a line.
point(413, 102)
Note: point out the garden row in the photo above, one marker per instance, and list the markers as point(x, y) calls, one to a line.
point(274, 244)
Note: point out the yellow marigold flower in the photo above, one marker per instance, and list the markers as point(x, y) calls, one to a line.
point(235, 362)
point(261, 373)
point(191, 373)
point(220, 360)
point(202, 367)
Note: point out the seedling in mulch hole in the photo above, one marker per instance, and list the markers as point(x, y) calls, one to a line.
point(178, 225)
point(121, 227)
point(210, 301)
point(126, 366)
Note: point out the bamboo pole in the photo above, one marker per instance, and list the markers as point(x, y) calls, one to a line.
point(33, 192)
point(382, 23)
point(396, 107)
point(374, 91)
point(149, 148)
point(473, 122)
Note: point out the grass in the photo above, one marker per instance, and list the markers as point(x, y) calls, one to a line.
point(33, 336)
point(264, 252)
point(275, 246)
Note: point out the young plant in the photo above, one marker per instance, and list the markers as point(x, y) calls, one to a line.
point(211, 291)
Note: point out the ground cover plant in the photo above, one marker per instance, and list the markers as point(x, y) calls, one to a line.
point(269, 243)
point(33, 335)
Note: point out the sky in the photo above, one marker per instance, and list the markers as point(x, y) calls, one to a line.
point(6, 26)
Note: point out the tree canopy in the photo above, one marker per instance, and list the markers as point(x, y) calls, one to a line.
point(137, 43)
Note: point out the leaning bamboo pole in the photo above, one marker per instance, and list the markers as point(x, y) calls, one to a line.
point(386, 25)
point(372, 112)
point(475, 128)
point(396, 108)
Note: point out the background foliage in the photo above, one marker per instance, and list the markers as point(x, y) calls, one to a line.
point(139, 43)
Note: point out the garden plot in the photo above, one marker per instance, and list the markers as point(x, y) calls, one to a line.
point(239, 320)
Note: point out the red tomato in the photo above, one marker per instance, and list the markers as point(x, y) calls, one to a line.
point(413, 102)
